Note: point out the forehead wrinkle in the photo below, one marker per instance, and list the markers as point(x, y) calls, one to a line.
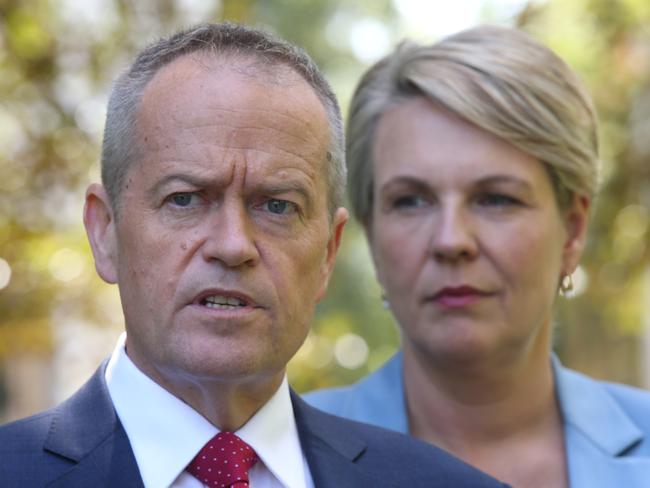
point(250, 128)
point(309, 168)
point(298, 136)
point(304, 124)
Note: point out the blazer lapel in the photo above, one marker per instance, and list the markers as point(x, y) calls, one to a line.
point(331, 451)
point(598, 434)
point(86, 430)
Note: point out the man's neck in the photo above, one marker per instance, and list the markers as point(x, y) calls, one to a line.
point(227, 403)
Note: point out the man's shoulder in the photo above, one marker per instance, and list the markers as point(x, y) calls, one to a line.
point(393, 458)
point(25, 432)
point(24, 459)
point(47, 447)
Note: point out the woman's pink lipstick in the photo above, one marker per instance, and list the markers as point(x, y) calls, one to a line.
point(458, 296)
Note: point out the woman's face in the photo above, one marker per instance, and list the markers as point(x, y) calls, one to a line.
point(466, 235)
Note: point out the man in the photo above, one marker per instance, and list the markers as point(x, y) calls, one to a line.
point(219, 218)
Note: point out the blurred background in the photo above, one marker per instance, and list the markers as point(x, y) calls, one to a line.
point(57, 60)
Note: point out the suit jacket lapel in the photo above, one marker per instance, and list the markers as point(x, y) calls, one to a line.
point(86, 430)
point(331, 451)
point(598, 434)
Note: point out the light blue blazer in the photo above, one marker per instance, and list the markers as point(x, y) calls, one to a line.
point(606, 425)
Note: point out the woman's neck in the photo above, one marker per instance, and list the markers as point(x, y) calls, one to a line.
point(481, 401)
point(499, 415)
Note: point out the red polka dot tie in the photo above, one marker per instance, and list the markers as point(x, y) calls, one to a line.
point(223, 462)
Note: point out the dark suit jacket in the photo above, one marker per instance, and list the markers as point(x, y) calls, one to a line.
point(81, 443)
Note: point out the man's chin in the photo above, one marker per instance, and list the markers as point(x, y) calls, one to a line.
point(224, 368)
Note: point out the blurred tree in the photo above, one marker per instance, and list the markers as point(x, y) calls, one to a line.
point(57, 58)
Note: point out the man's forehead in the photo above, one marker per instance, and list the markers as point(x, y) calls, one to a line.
point(237, 82)
point(208, 103)
point(251, 68)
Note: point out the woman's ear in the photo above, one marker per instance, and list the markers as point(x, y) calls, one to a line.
point(576, 218)
point(100, 229)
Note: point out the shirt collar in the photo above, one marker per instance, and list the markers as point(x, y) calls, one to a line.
point(272, 432)
point(166, 433)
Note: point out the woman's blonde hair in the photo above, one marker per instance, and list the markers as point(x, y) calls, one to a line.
point(499, 79)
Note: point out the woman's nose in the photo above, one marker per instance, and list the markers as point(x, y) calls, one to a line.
point(453, 236)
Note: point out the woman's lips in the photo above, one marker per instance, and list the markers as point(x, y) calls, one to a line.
point(458, 296)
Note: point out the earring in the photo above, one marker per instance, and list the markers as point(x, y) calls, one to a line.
point(566, 284)
point(384, 300)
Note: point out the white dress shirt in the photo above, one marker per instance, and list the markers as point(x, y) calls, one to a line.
point(165, 433)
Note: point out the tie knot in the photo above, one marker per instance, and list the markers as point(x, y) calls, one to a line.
point(223, 462)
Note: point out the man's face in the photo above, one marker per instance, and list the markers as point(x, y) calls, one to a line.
point(223, 244)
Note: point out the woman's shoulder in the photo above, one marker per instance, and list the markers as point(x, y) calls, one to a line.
point(612, 416)
point(377, 399)
point(628, 397)
point(635, 401)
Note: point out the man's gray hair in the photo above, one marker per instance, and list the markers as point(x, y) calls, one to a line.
point(120, 147)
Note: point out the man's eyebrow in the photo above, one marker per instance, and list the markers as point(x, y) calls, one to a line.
point(193, 180)
point(269, 186)
point(284, 186)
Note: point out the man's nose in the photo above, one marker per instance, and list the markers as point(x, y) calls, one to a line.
point(230, 236)
point(453, 236)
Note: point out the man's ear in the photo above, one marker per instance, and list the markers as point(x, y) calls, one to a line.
point(100, 229)
point(338, 222)
point(576, 218)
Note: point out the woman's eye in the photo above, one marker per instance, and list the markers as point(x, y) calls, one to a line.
point(279, 207)
point(182, 199)
point(497, 200)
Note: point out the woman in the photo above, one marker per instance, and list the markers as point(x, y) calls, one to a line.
point(472, 165)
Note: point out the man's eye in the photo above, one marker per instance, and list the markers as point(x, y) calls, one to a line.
point(182, 199)
point(279, 207)
point(408, 201)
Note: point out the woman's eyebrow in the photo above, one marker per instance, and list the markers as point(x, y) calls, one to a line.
point(410, 181)
point(504, 179)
